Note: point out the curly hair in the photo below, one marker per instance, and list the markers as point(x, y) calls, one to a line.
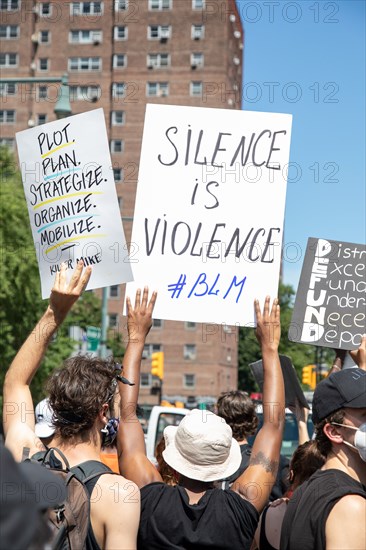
point(77, 392)
point(323, 443)
point(238, 410)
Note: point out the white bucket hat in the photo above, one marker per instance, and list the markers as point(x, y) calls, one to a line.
point(202, 447)
point(44, 413)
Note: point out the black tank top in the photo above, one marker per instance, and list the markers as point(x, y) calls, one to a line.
point(307, 511)
point(264, 544)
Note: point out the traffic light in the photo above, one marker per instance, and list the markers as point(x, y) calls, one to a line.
point(309, 376)
point(157, 364)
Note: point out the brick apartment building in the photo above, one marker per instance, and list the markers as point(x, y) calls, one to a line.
point(120, 55)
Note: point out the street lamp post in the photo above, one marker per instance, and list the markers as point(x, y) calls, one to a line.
point(62, 108)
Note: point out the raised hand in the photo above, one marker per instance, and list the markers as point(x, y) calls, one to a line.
point(268, 331)
point(64, 294)
point(139, 317)
point(359, 355)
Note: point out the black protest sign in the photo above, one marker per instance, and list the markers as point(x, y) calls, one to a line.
point(293, 391)
point(330, 305)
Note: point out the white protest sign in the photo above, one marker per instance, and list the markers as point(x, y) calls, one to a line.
point(72, 201)
point(209, 211)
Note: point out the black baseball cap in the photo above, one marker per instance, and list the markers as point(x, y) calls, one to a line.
point(346, 388)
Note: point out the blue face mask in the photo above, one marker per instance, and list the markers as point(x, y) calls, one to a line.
point(109, 432)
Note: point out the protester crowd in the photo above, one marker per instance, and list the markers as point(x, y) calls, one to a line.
point(211, 489)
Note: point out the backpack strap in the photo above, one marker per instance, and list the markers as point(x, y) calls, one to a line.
point(53, 450)
point(25, 453)
point(97, 474)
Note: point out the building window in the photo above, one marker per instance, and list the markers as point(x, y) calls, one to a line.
point(7, 142)
point(9, 5)
point(9, 31)
point(189, 352)
point(41, 119)
point(118, 90)
point(118, 174)
point(85, 37)
point(160, 4)
point(45, 9)
point(119, 60)
point(197, 32)
point(117, 146)
point(43, 64)
point(157, 323)
point(7, 88)
point(85, 64)
point(120, 5)
point(8, 60)
point(198, 4)
point(113, 320)
point(196, 60)
point(158, 60)
point(196, 88)
point(85, 93)
point(44, 37)
point(159, 32)
point(114, 291)
point(189, 325)
point(120, 32)
point(149, 349)
point(86, 8)
point(189, 380)
point(157, 89)
point(145, 380)
point(118, 118)
point(43, 92)
point(7, 116)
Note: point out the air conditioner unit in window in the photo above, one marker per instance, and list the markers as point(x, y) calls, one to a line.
point(96, 41)
point(33, 66)
point(196, 36)
point(35, 38)
point(163, 94)
point(163, 39)
point(193, 66)
point(150, 66)
point(145, 354)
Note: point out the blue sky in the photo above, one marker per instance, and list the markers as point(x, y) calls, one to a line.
point(307, 58)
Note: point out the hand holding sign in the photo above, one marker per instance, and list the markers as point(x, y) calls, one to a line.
point(65, 293)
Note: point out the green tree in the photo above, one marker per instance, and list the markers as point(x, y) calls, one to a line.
point(21, 302)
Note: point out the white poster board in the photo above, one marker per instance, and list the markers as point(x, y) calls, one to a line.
point(72, 201)
point(209, 211)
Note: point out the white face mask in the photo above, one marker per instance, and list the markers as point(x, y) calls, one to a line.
point(359, 441)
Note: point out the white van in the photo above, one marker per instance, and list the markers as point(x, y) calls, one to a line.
point(161, 417)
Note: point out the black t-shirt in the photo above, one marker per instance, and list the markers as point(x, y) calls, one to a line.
point(220, 520)
point(307, 511)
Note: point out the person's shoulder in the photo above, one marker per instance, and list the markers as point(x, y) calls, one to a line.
point(117, 489)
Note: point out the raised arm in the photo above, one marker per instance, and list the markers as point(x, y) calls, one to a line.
point(133, 462)
point(256, 482)
point(18, 412)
